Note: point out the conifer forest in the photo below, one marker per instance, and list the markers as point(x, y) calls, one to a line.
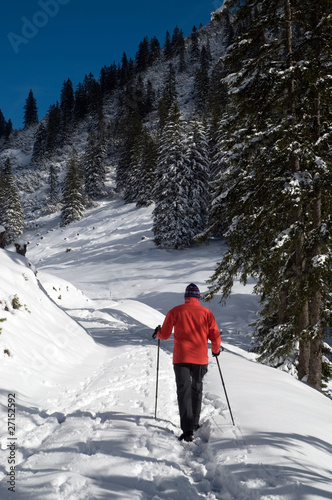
point(227, 132)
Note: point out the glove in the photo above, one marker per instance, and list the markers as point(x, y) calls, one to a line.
point(215, 354)
point(154, 335)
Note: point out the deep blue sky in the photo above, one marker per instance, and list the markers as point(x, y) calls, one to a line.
point(44, 42)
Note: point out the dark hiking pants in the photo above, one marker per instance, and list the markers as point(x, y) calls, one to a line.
point(189, 384)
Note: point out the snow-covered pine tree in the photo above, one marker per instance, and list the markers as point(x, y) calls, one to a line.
point(171, 224)
point(141, 175)
point(199, 195)
point(81, 103)
point(275, 194)
point(2, 124)
point(53, 186)
point(67, 102)
point(94, 167)
point(30, 111)
point(168, 49)
point(169, 96)
point(73, 199)
point(142, 55)
point(53, 128)
point(194, 48)
point(202, 83)
point(39, 146)
point(10, 206)
point(130, 129)
point(147, 170)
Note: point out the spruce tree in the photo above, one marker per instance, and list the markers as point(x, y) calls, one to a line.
point(141, 175)
point(81, 103)
point(142, 55)
point(73, 199)
point(171, 226)
point(39, 147)
point(2, 124)
point(168, 49)
point(148, 168)
point(67, 102)
point(53, 128)
point(94, 167)
point(169, 96)
point(10, 206)
point(8, 129)
point(30, 111)
point(274, 194)
point(154, 53)
point(194, 48)
point(53, 186)
point(130, 128)
point(199, 177)
point(202, 83)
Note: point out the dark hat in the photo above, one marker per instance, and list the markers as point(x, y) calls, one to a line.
point(192, 291)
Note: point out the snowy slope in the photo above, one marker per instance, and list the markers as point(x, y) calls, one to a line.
point(83, 368)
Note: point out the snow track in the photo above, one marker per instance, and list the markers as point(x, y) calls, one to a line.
point(83, 367)
point(99, 439)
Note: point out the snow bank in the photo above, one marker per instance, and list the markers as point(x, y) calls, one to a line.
point(37, 336)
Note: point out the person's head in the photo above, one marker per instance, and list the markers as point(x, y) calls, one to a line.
point(192, 291)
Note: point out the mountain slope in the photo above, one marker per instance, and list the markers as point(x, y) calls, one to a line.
point(85, 423)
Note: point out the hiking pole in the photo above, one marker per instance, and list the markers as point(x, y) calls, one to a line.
point(222, 380)
point(155, 409)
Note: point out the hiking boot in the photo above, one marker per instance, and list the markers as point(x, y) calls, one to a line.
point(187, 436)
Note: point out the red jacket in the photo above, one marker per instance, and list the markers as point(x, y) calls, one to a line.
point(193, 326)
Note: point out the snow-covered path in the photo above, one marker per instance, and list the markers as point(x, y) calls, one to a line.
point(87, 430)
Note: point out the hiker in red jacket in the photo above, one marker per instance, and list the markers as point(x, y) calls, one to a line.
point(193, 326)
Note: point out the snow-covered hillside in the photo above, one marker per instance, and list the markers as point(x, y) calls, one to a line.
point(82, 371)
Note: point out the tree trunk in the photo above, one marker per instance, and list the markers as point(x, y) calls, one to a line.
point(315, 362)
point(304, 346)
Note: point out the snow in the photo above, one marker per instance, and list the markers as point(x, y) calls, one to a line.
point(82, 365)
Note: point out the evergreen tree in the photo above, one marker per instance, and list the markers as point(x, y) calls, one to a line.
point(93, 96)
point(130, 128)
point(178, 43)
point(39, 147)
point(202, 83)
point(147, 170)
point(141, 175)
point(169, 96)
point(53, 186)
point(10, 206)
point(142, 55)
point(149, 99)
point(30, 111)
point(199, 191)
point(67, 102)
point(154, 53)
point(73, 200)
point(2, 124)
point(168, 49)
point(126, 70)
point(8, 128)
point(81, 103)
point(94, 167)
point(274, 195)
point(171, 224)
point(53, 128)
point(194, 49)
point(108, 79)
